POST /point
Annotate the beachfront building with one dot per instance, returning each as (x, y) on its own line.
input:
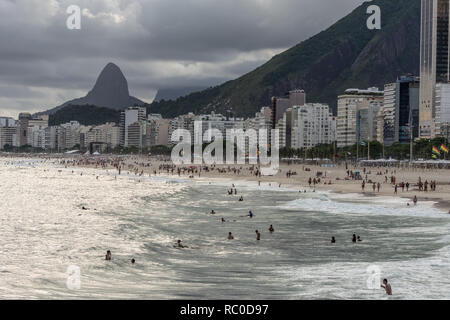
(185, 122)
(442, 104)
(36, 136)
(107, 134)
(218, 122)
(7, 136)
(51, 137)
(285, 127)
(68, 135)
(136, 135)
(8, 131)
(129, 117)
(157, 131)
(367, 122)
(352, 121)
(312, 124)
(401, 110)
(279, 106)
(434, 61)
(7, 122)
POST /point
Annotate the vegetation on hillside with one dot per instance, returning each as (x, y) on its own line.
(345, 55)
(85, 115)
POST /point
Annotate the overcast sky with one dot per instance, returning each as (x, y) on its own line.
(156, 43)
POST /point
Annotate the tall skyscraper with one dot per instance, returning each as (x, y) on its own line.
(434, 60)
(401, 110)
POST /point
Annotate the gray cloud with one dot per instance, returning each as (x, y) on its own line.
(156, 43)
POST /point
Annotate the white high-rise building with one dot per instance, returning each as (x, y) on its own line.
(312, 124)
(442, 104)
(157, 131)
(68, 135)
(108, 134)
(348, 115)
(6, 122)
(129, 117)
(8, 131)
(434, 61)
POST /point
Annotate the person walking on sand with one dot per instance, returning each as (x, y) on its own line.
(378, 186)
(395, 189)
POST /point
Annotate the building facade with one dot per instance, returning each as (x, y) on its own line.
(349, 124)
(401, 110)
(312, 124)
(434, 60)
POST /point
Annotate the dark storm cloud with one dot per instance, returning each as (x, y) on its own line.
(156, 43)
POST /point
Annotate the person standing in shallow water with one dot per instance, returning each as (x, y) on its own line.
(108, 255)
(354, 238)
(333, 240)
(258, 235)
(387, 287)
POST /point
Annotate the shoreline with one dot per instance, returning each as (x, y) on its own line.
(335, 178)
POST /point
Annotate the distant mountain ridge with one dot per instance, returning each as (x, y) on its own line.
(346, 55)
(110, 91)
(175, 93)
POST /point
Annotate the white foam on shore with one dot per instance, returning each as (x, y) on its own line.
(360, 205)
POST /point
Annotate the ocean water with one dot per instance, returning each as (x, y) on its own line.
(43, 231)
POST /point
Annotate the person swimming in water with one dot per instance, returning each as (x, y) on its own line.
(212, 212)
(333, 240)
(180, 245)
(359, 239)
(271, 229)
(258, 235)
(108, 255)
(230, 236)
(133, 261)
(223, 220)
(250, 214)
(241, 198)
(387, 287)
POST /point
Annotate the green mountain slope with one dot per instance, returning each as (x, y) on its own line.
(345, 55)
(84, 114)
